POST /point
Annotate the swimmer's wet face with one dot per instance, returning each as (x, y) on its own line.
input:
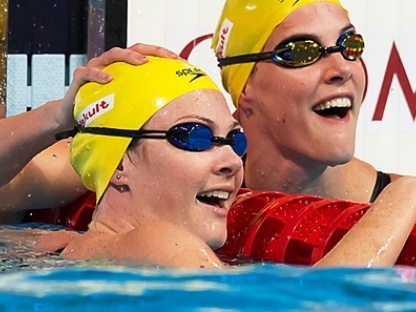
(233, 36)
(310, 113)
(134, 95)
(188, 176)
(190, 189)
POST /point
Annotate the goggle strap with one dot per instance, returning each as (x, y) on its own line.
(222, 141)
(151, 134)
(245, 58)
(333, 49)
(138, 134)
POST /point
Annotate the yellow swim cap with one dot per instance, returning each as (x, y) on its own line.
(134, 95)
(243, 28)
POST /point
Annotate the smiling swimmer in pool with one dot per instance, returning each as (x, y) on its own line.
(163, 153)
(161, 149)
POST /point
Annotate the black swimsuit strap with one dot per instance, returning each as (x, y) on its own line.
(383, 179)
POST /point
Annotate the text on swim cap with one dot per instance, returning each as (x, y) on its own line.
(188, 71)
(195, 72)
(95, 110)
(223, 37)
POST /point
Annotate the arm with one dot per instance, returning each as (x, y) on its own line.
(378, 238)
(25, 135)
(48, 180)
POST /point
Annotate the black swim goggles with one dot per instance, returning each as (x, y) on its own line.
(194, 137)
(303, 52)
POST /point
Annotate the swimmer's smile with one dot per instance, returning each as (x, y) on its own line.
(335, 108)
(216, 198)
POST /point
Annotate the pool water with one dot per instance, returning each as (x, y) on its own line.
(251, 288)
(35, 281)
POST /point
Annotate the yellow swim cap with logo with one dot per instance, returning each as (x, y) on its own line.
(244, 27)
(134, 95)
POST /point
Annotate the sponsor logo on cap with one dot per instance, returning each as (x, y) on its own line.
(95, 110)
(194, 72)
(223, 37)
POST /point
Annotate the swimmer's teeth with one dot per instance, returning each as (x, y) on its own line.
(340, 102)
(216, 194)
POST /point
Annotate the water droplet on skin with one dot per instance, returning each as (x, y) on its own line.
(29, 195)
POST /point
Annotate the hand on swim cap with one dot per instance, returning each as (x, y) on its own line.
(92, 71)
(81, 75)
(153, 50)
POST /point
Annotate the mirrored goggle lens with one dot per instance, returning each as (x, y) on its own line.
(198, 137)
(306, 52)
(352, 46)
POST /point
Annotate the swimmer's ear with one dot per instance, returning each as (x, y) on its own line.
(245, 104)
(247, 98)
(119, 178)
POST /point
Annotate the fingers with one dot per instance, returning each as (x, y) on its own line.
(116, 55)
(148, 49)
(134, 54)
(83, 74)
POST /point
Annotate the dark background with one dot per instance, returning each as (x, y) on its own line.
(61, 26)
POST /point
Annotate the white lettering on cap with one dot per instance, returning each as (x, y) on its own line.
(95, 110)
(223, 37)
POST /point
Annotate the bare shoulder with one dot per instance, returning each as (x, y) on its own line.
(395, 176)
(361, 165)
(159, 244)
(365, 168)
(359, 179)
(167, 245)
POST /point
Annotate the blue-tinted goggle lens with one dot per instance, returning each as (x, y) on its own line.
(198, 137)
(187, 136)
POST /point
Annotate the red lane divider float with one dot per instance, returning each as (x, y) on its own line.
(294, 228)
(262, 226)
